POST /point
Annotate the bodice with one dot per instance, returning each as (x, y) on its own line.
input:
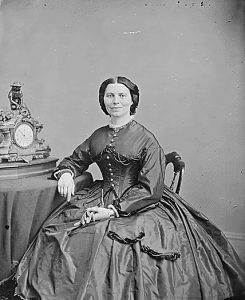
(131, 161)
(119, 172)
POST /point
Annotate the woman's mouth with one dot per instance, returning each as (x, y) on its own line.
(115, 108)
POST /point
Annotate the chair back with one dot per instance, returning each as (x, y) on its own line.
(179, 167)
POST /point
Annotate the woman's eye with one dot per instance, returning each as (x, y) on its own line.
(122, 95)
(109, 95)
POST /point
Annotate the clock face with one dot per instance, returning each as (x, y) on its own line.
(24, 135)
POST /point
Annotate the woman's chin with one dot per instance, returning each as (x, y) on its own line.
(117, 114)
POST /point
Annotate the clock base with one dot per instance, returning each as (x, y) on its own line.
(36, 167)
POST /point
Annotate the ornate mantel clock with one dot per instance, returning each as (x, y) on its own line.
(19, 131)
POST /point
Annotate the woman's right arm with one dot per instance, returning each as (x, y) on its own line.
(77, 162)
(71, 167)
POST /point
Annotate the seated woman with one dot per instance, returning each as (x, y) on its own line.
(127, 236)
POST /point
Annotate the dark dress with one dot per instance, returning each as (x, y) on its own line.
(158, 248)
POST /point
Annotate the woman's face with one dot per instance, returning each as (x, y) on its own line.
(117, 100)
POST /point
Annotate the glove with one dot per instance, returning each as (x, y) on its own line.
(95, 213)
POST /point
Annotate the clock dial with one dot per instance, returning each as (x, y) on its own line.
(24, 135)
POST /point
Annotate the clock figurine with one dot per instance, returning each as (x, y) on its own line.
(15, 95)
(19, 131)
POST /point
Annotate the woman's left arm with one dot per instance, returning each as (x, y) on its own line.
(150, 185)
(147, 192)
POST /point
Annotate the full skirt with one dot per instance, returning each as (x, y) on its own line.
(167, 251)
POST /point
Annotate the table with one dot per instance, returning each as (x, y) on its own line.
(24, 205)
(21, 169)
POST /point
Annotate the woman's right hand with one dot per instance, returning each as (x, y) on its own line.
(66, 186)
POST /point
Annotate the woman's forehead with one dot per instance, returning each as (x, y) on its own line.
(116, 88)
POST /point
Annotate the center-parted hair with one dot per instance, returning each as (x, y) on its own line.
(134, 92)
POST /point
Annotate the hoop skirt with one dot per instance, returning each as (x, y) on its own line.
(159, 247)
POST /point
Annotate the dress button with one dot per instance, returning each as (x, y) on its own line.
(112, 141)
(110, 169)
(112, 174)
(113, 184)
(108, 157)
(109, 164)
(111, 179)
(110, 144)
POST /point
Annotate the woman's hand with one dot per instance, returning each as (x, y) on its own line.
(95, 214)
(66, 186)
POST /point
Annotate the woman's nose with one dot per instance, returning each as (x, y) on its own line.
(116, 99)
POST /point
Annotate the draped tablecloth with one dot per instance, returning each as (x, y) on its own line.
(24, 205)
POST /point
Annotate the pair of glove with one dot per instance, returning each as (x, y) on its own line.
(95, 213)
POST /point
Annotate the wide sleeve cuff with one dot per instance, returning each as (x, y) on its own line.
(112, 207)
(59, 173)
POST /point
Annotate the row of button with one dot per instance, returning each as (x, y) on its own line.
(112, 141)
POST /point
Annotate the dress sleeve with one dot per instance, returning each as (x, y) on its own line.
(150, 185)
(77, 162)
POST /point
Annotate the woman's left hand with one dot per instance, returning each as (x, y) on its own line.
(95, 214)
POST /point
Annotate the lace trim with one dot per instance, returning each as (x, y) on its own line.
(119, 127)
(114, 236)
(124, 160)
(171, 255)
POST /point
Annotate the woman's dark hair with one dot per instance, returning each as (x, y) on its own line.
(134, 92)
